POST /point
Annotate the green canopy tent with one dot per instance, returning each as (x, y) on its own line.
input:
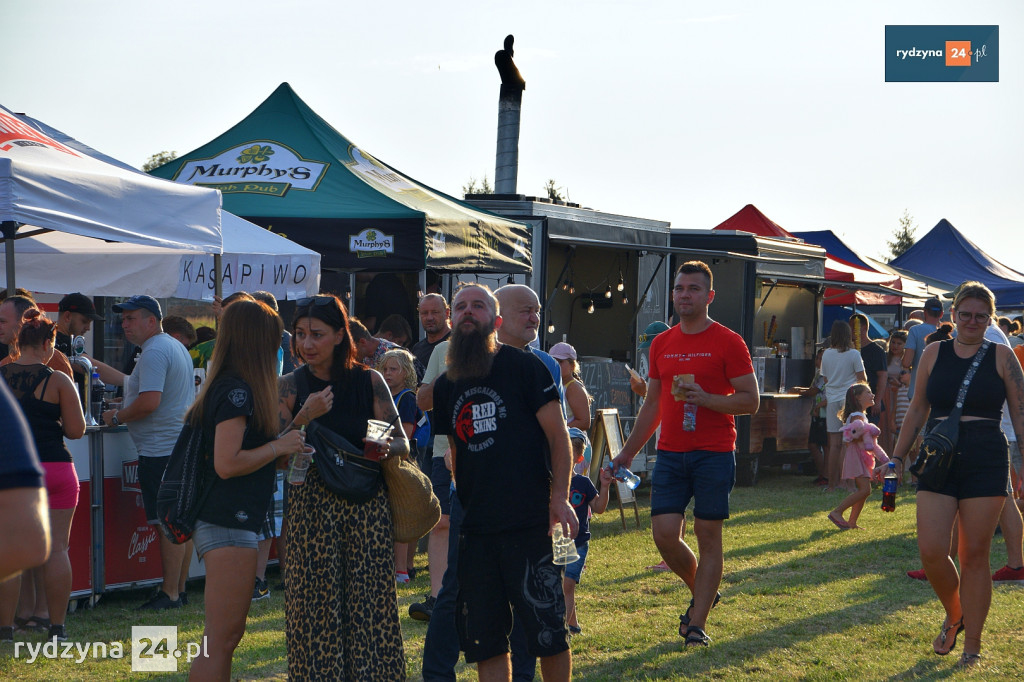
(285, 168)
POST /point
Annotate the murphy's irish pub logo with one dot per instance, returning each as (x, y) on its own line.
(255, 167)
(371, 243)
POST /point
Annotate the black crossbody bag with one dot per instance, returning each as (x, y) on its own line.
(341, 465)
(938, 446)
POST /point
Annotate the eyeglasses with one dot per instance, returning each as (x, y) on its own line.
(980, 318)
(314, 300)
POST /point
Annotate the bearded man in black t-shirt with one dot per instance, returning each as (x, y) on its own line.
(500, 410)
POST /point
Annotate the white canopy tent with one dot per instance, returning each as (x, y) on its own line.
(254, 259)
(48, 185)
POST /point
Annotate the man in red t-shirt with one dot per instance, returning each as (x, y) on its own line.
(700, 376)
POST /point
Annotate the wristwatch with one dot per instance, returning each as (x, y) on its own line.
(113, 419)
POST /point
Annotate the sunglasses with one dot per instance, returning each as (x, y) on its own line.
(315, 300)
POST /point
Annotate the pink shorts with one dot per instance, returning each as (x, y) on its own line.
(61, 484)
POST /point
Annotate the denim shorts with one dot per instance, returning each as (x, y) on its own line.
(703, 476)
(211, 536)
(981, 465)
(441, 480)
(575, 569)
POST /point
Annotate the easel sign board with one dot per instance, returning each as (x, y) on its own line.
(608, 438)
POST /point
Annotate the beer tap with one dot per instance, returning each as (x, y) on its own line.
(86, 367)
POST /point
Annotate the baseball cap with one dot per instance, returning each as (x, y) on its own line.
(578, 434)
(653, 329)
(79, 303)
(562, 351)
(140, 302)
(933, 305)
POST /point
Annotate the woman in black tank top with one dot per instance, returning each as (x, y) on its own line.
(976, 487)
(341, 610)
(50, 402)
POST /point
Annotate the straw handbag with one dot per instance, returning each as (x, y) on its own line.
(415, 509)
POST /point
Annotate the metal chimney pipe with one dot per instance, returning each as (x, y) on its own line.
(510, 101)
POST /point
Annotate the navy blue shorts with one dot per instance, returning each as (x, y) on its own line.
(505, 571)
(705, 477)
(441, 480)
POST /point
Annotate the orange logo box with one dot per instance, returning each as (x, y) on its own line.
(958, 53)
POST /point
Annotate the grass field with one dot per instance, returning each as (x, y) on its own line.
(801, 600)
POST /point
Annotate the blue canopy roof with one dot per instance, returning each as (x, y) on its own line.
(946, 254)
(834, 246)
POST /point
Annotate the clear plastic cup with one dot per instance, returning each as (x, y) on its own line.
(298, 465)
(563, 547)
(377, 433)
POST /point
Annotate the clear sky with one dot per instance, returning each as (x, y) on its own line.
(665, 109)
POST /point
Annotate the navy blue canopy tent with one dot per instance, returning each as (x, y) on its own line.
(946, 254)
(835, 247)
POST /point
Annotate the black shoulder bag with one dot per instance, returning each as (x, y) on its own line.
(186, 484)
(345, 471)
(938, 445)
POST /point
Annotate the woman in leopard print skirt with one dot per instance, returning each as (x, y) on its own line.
(341, 610)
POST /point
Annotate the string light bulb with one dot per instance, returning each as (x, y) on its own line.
(621, 285)
(624, 299)
(551, 327)
(572, 289)
(590, 307)
(565, 285)
(608, 292)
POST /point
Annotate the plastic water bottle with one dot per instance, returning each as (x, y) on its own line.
(626, 476)
(889, 489)
(689, 417)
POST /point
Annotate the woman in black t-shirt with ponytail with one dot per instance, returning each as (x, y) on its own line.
(237, 409)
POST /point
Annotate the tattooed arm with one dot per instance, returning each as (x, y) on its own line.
(1013, 380)
(316, 405)
(384, 409)
(285, 401)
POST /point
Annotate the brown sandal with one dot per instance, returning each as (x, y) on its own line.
(959, 625)
(968, 660)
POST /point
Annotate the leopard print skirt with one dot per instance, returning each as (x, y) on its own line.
(341, 609)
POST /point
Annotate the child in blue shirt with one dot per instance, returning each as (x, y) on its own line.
(584, 498)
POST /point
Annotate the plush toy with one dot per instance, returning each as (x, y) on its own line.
(861, 437)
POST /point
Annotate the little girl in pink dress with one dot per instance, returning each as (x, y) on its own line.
(864, 456)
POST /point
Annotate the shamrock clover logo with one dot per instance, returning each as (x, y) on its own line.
(372, 235)
(255, 154)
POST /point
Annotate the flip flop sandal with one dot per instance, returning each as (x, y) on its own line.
(840, 524)
(684, 619)
(968, 660)
(33, 624)
(959, 625)
(696, 636)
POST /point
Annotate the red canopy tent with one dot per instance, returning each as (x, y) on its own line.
(750, 219)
